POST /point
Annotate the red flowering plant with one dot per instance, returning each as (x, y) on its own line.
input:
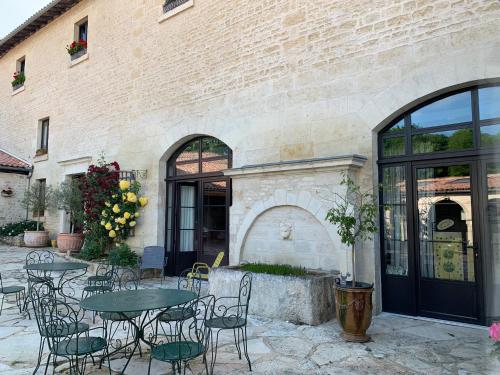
(494, 332)
(76, 46)
(98, 185)
(18, 79)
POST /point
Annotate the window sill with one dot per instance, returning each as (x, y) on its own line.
(40, 158)
(175, 11)
(77, 61)
(17, 91)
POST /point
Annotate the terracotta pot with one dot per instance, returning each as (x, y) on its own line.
(69, 242)
(354, 310)
(33, 238)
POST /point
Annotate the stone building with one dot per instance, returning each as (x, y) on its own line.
(14, 179)
(245, 114)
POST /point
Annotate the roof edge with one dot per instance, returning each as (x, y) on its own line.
(17, 157)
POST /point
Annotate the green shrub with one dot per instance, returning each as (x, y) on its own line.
(91, 250)
(274, 269)
(123, 256)
(14, 229)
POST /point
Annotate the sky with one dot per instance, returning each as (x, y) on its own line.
(14, 12)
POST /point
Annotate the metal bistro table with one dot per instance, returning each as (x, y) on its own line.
(64, 282)
(140, 300)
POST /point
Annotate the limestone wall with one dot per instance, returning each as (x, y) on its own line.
(276, 80)
(10, 207)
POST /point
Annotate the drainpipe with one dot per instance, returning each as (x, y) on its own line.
(30, 174)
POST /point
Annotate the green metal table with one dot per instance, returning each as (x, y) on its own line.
(141, 300)
(64, 285)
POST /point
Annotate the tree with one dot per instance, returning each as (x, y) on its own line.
(68, 197)
(354, 213)
(37, 198)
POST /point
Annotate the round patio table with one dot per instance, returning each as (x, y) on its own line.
(67, 268)
(140, 300)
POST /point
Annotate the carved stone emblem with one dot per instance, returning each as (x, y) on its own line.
(286, 231)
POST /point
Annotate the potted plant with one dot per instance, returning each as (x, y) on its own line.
(36, 198)
(77, 49)
(18, 81)
(68, 197)
(354, 213)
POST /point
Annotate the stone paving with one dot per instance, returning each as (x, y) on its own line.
(399, 345)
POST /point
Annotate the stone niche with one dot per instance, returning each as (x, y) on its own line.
(289, 235)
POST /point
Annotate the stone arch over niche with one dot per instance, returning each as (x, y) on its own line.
(304, 206)
(289, 235)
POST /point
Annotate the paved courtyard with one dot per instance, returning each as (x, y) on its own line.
(399, 345)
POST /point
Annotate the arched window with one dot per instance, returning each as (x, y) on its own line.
(198, 200)
(462, 121)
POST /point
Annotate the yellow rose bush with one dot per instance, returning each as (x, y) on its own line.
(121, 210)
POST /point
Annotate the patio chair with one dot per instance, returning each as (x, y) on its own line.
(179, 313)
(102, 276)
(17, 290)
(153, 258)
(190, 340)
(230, 313)
(200, 270)
(37, 257)
(123, 279)
(60, 324)
(38, 292)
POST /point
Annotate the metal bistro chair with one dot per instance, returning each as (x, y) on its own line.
(60, 322)
(17, 290)
(123, 279)
(38, 292)
(153, 258)
(230, 313)
(190, 340)
(179, 313)
(37, 257)
(102, 275)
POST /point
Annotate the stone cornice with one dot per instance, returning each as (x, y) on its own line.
(81, 160)
(333, 162)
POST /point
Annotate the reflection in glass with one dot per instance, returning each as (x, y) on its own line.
(493, 251)
(214, 217)
(489, 102)
(451, 140)
(450, 110)
(445, 223)
(212, 147)
(394, 219)
(490, 136)
(393, 146)
(187, 168)
(398, 126)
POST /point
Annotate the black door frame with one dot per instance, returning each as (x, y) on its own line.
(477, 241)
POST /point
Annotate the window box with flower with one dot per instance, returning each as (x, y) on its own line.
(18, 81)
(77, 49)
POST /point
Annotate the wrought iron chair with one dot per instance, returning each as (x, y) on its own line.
(102, 275)
(38, 292)
(190, 340)
(123, 279)
(60, 324)
(153, 258)
(230, 313)
(17, 290)
(200, 270)
(37, 257)
(179, 313)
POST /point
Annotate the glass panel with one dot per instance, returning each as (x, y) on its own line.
(187, 218)
(451, 140)
(450, 110)
(170, 218)
(212, 147)
(190, 152)
(394, 221)
(400, 125)
(493, 255)
(490, 136)
(489, 102)
(187, 168)
(82, 31)
(217, 165)
(214, 193)
(445, 223)
(214, 216)
(393, 146)
(214, 242)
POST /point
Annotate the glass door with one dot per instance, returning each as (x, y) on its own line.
(445, 214)
(187, 222)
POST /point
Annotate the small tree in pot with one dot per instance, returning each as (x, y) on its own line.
(36, 198)
(68, 197)
(354, 212)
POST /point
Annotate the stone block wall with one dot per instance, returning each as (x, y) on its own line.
(10, 207)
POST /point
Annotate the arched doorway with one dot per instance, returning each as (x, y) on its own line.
(198, 200)
(438, 165)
